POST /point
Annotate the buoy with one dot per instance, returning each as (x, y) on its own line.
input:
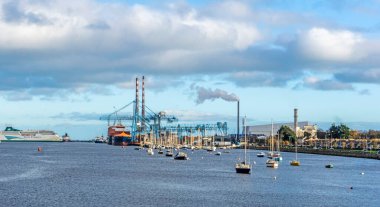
(39, 149)
(362, 173)
(352, 188)
(275, 177)
(254, 162)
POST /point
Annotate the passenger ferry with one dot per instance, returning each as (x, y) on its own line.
(11, 134)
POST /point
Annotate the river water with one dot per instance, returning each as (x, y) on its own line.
(89, 174)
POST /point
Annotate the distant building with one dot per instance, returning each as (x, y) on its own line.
(265, 130)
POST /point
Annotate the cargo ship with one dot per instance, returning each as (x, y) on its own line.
(11, 134)
(118, 135)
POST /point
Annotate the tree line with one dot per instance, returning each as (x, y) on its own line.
(340, 131)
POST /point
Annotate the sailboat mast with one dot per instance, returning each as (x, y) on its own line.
(278, 142)
(245, 141)
(295, 127)
(272, 143)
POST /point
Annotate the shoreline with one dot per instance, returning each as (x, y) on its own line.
(335, 152)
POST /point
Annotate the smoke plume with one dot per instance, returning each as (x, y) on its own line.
(204, 94)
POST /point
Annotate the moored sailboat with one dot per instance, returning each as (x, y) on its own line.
(271, 162)
(277, 155)
(244, 167)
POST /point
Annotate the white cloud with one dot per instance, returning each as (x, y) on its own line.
(324, 84)
(126, 26)
(331, 45)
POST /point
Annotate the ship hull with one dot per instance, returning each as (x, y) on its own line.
(121, 141)
(243, 170)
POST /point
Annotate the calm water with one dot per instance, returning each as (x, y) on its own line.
(87, 174)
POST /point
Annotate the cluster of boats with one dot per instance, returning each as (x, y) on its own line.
(169, 152)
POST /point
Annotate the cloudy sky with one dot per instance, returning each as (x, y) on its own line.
(63, 63)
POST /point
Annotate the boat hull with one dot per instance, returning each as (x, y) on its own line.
(243, 170)
(181, 158)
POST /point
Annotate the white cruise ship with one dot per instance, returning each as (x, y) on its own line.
(11, 134)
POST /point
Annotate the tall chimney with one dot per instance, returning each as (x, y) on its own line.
(143, 104)
(295, 120)
(137, 99)
(238, 121)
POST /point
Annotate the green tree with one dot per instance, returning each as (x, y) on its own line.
(340, 131)
(287, 134)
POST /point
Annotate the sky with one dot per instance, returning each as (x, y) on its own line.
(65, 63)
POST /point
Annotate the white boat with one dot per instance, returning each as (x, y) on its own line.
(272, 163)
(11, 134)
(150, 151)
(169, 152)
(261, 154)
(244, 167)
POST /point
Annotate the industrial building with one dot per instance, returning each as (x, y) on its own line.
(265, 130)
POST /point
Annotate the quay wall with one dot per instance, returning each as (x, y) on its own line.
(335, 152)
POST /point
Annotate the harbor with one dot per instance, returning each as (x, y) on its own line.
(114, 103)
(84, 174)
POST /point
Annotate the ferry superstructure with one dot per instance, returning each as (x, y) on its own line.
(11, 134)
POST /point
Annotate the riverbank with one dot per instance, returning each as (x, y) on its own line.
(335, 152)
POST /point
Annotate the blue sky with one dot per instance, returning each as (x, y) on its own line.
(64, 63)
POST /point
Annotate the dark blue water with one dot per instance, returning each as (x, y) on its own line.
(87, 174)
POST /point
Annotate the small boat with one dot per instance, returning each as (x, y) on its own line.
(261, 154)
(150, 151)
(181, 156)
(277, 156)
(244, 167)
(272, 163)
(211, 149)
(329, 166)
(169, 154)
(270, 155)
(137, 148)
(218, 153)
(160, 152)
(295, 163)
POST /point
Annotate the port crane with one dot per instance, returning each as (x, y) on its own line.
(182, 130)
(141, 125)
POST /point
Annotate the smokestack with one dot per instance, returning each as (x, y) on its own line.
(137, 98)
(295, 120)
(143, 103)
(238, 121)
